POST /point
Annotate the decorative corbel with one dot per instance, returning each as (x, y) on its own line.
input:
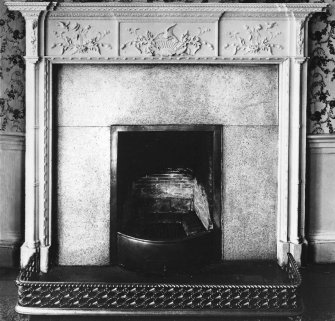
(301, 18)
(31, 33)
(300, 36)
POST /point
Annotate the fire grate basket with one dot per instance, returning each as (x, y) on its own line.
(130, 298)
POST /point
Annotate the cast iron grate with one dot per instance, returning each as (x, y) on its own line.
(163, 231)
(165, 226)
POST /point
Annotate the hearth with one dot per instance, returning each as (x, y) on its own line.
(124, 244)
(167, 196)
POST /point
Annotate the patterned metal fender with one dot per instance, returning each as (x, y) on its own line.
(281, 299)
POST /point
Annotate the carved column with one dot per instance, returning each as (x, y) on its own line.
(297, 160)
(31, 12)
(294, 159)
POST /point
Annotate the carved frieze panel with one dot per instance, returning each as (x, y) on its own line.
(71, 37)
(262, 37)
(167, 39)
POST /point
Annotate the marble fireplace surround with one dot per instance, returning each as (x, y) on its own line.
(218, 33)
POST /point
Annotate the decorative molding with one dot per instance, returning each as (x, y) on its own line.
(46, 154)
(16, 134)
(322, 252)
(299, 60)
(321, 237)
(10, 236)
(300, 37)
(11, 243)
(185, 6)
(194, 11)
(233, 15)
(30, 10)
(258, 39)
(321, 144)
(322, 247)
(168, 59)
(9, 253)
(12, 141)
(321, 138)
(167, 43)
(33, 37)
(24, 7)
(75, 38)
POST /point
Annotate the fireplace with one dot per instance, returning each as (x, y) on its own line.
(167, 192)
(211, 98)
(239, 102)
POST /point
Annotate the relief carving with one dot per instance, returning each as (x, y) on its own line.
(259, 38)
(75, 38)
(166, 43)
(300, 37)
(33, 38)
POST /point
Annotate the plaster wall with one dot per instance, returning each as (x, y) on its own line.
(321, 225)
(89, 99)
(11, 197)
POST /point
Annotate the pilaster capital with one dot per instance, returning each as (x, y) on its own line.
(31, 12)
(301, 17)
(31, 60)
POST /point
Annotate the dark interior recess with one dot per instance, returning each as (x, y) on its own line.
(144, 153)
(162, 178)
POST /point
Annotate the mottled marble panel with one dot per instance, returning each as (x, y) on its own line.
(167, 94)
(250, 156)
(83, 196)
(242, 98)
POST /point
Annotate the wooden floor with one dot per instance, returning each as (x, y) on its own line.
(318, 295)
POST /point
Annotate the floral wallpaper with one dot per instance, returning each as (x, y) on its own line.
(11, 70)
(322, 72)
(321, 109)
